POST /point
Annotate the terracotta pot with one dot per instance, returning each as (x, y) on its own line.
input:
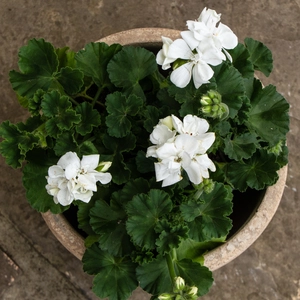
(259, 218)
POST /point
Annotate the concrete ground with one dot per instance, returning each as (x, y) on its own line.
(33, 264)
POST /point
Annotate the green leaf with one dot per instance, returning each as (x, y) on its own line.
(260, 56)
(83, 215)
(119, 171)
(59, 109)
(241, 146)
(154, 277)
(132, 188)
(208, 217)
(170, 237)
(144, 212)
(189, 97)
(151, 115)
(115, 277)
(129, 66)
(268, 116)
(65, 143)
(120, 108)
(257, 172)
(193, 250)
(93, 60)
(89, 118)
(87, 148)
(195, 275)
(38, 63)
(70, 79)
(144, 164)
(230, 84)
(18, 140)
(109, 222)
(34, 181)
(66, 57)
(241, 60)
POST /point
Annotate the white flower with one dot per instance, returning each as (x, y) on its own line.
(161, 133)
(75, 179)
(185, 150)
(163, 57)
(197, 127)
(205, 33)
(196, 65)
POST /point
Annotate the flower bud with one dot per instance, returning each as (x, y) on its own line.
(179, 284)
(167, 121)
(166, 296)
(103, 166)
(205, 100)
(192, 291)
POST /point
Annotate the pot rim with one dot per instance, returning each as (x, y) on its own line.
(222, 254)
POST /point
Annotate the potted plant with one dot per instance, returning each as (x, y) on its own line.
(150, 148)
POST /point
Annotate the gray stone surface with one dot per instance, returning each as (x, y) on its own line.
(33, 265)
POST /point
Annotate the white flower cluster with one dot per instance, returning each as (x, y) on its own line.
(202, 45)
(181, 145)
(75, 179)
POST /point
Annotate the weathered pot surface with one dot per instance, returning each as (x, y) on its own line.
(238, 242)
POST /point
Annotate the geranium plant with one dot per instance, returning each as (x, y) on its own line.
(148, 148)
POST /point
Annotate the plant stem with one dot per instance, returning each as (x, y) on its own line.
(100, 89)
(73, 100)
(170, 257)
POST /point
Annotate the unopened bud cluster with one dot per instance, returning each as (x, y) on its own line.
(180, 292)
(212, 105)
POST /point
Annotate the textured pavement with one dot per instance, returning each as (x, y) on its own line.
(33, 264)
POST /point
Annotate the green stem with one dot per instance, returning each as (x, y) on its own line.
(100, 89)
(73, 100)
(170, 257)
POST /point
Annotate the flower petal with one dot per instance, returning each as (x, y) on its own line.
(161, 134)
(194, 125)
(90, 162)
(67, 159)
(182, 75)
(190, 39)
(187, 143)
(167, 151)
(202, 72)
(72, 170)
(193, 172)
(209, 17)
(228, 39)
(104, 178)
(56, 171)
(180, 49)
(64, 197)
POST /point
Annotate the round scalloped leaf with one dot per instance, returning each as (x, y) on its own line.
(268, 115)
(257, 172)
(241, 146)
(207, 218)
(109, 222)
(230, 84)
(93, 60)
(119, 109)
(38, 64)
(260, 56)
(34, 181)
(129, 66)
(144, 212)
(115, 276)
(89, 118)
